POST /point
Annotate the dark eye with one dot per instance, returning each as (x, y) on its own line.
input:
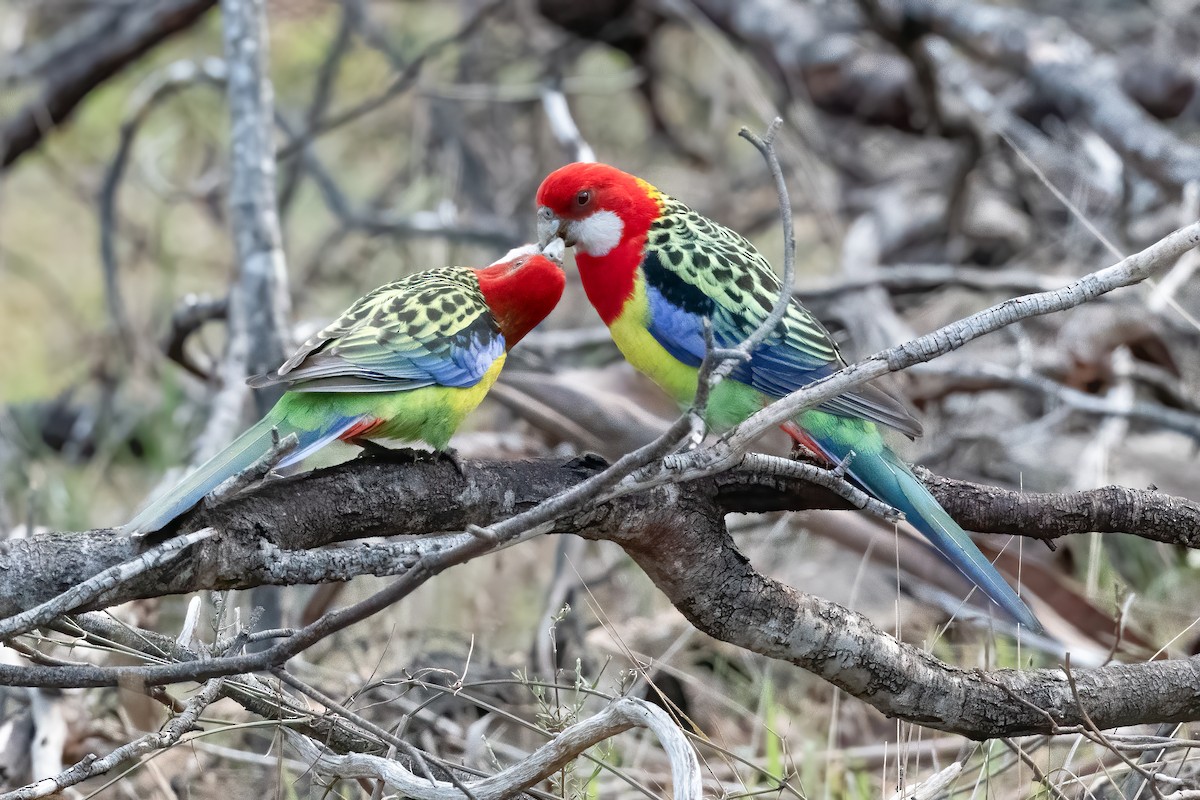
(583, 198)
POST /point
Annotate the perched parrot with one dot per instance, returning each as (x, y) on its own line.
(408, 361)
(654, 269)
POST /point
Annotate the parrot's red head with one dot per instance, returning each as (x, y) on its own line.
(521, 289)
(605, 214)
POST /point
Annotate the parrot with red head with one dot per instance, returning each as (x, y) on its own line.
(407, 361)
(656, 272)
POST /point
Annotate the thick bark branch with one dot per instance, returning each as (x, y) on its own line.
(271, 535)
(690, 557)
(676, 534)
(1048, 515)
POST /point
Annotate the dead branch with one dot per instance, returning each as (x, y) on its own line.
(88, 591)
(1156, 414)
(259, 302)
(153, 91)
(674, 532)
(81, 69)
(92, 766)
(1127, 272)
(620, 715)
(1108, 509)
(1065, 68)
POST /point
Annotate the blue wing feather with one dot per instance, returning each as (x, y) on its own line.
(680, 296)
(774, 368)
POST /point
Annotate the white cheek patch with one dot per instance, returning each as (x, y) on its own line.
(598, 233)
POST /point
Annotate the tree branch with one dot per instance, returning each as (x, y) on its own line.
(1127, 272)
(675, 533)
(1066, 69)
(91, 765)
(620, 715)
(259, 302)
(84, 68)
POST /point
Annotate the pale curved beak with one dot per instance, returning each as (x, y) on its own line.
(555, 250)
(549, 226)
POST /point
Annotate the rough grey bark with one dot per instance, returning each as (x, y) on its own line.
(677, 535)
(259, 302)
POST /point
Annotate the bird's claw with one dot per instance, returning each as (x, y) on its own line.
(586, 462)
(408, 455)
(692, 441)
(451, 455)
(801, 453)
(396, 455)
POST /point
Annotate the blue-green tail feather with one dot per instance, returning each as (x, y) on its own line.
(882, 474)
(241, 453)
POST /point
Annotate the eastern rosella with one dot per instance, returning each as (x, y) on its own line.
(408, 361)
(655, 270)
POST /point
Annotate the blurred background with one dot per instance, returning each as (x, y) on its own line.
(940, 158)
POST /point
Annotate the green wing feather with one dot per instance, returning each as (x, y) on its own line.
(697, 268)
(431, 328)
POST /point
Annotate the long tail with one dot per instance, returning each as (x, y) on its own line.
(241, 453)
(882, 474)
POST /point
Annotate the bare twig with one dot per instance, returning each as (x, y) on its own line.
(1173, 281)
(160, 86)
(719, 362)
(618, 716)
(280, 447)
(682, 467)
(418, 757)
(917, 277)
(92, 765)
(1157, 414)
(189, 315)
(766, 146)
(563, 126)
(1038, 775)
(1127, 272)
(477, 229)
(399, 85)
(293, 170)
(103, 581)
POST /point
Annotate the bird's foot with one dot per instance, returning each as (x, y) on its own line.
(408, 455)
(396, 455)
(803, 447)
(451, 455)
(801, 453)
(586, 462)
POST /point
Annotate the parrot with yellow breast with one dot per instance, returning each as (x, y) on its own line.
(408, 361)
(656, 271)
